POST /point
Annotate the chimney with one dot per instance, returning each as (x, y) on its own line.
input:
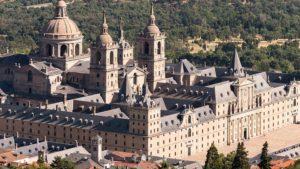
(17, 134)
(29, 103)
(4, 136)
(65, 98)
(94, 110)
(76, 143)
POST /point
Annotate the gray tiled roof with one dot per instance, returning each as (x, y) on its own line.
(80, 67)
(75, 119)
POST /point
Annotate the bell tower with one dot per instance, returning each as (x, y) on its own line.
(151, 48)
(104, 65)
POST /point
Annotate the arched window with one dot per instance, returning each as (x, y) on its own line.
(189, 133)
(146, 48)
(111, 57)
(295, 102)
(134, 78)
(63, 50)
(295, 90)
(260, 101)
(189, 119)
(98, 58)
(29, 76)
(77, 49)
(49, 50)
(159, 48)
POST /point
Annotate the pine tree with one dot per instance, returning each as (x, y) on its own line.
(265, 159)
(241, 160)
(213, 160)
(228, 160)
(60, 163)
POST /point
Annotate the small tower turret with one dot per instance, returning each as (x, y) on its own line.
(125, 49)
(104, 65)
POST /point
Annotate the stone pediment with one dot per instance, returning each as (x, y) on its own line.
(243, 81)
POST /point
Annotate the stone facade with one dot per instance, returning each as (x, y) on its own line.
(170, 110)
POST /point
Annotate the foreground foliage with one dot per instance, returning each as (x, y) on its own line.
(208, 19)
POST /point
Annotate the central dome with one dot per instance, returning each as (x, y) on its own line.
(61, 27)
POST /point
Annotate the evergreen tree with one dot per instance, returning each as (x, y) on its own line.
(213, 160)
(60, 163)
(241, 160)
(265, 159)
(228, 160)
(165, 165)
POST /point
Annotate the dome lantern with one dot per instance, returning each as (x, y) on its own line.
(61, 9)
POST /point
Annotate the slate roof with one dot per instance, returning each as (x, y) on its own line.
(82, 67)
(45, 68)
(12, 59)
(63, 118)
(172, 120)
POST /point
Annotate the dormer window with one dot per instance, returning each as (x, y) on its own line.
(189, 119)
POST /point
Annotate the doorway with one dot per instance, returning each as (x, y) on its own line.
(245, 134)
(189, 151)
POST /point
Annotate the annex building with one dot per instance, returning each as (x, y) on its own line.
(136, 102)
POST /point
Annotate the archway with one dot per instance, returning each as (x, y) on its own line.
(159, 48)
(49, 50)
(146, 48)
(245, 134)
(63, 50)
(77, 48)
(98, 58)
(111, 58)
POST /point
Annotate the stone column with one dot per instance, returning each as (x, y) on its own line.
(58, 50)
(238, 130)
(80, 49)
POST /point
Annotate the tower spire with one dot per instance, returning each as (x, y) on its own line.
(121, 31)
(61, 9)
(104, 25)
(152, 16)
(236, 66)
